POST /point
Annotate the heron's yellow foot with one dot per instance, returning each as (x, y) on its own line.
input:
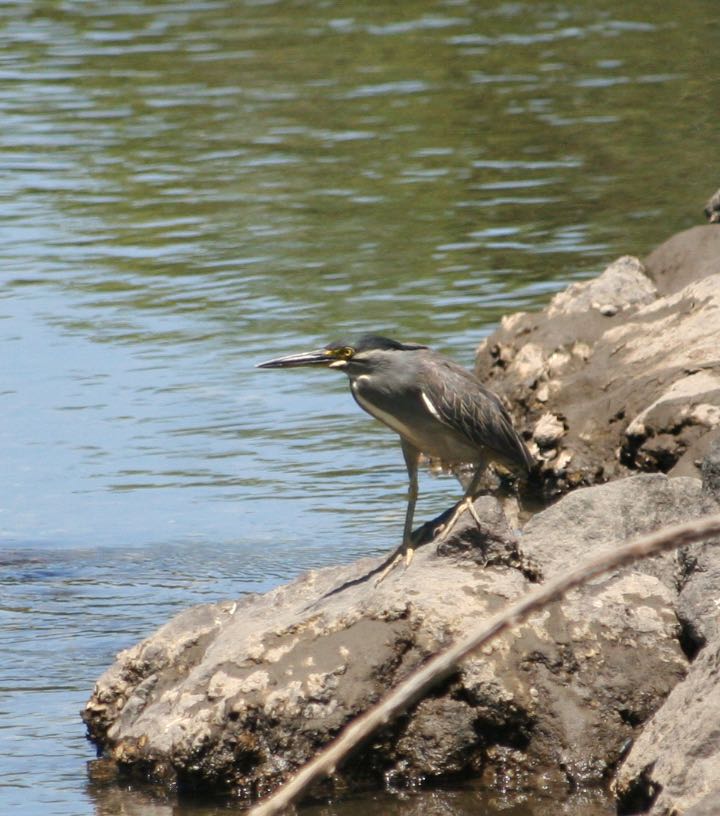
(404, 552)
(473, 511)
(465, 505)
(389, 568)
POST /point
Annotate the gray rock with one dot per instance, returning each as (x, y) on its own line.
(685, 258)
(676, 759)
(707, 806)
(548, 431)
(712, 208)
(606, 516)
(698, 605)
(711, 470)
(622, 285)
(236, 695)
(493, 543)
(674, 766)
(438, 739)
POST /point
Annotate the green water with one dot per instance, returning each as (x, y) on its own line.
(188, 188)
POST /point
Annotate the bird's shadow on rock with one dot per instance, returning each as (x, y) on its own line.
(425, 534)
(490, 542)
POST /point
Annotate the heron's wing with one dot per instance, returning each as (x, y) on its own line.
(464, 404)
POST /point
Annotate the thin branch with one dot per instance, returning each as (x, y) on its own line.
(445, 662)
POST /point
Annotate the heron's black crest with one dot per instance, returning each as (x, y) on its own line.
(371, 342)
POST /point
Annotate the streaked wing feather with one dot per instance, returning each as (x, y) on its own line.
(465, 405)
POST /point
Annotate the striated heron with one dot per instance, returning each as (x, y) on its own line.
(437, 407)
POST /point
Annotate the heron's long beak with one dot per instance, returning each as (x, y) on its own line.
(306, 358)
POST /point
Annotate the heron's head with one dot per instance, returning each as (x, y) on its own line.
(353, 357)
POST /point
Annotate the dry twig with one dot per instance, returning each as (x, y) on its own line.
(445, 662)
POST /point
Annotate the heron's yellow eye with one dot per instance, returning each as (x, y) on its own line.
(346, 353)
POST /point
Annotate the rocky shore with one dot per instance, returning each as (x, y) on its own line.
(617, 384)
(621, 373)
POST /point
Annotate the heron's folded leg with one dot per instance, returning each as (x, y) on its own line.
(467, 503)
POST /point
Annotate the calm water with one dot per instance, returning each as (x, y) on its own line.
(188, 188)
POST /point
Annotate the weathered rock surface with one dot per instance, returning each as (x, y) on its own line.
(621, 373)
(712, 208)
(606, 515)
(674, 766)
(236, 695)
(675, 763)
(707, 806)
(698, 606)
(684, 258)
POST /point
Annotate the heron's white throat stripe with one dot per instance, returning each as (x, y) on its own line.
(428, 404)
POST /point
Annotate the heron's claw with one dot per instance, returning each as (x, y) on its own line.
(443, 531)
(389, 568)
(404, 553)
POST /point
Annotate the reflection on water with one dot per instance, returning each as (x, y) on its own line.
(451, 800)
(190, 187)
